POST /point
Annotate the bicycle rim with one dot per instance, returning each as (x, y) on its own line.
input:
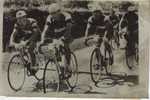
(72, 81)
(40, 65)
(108, 62)
(51, 80)
(95, 61)
(16, 73)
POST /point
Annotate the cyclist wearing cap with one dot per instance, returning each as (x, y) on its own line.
(58, 26)
(101, 26)
(130, 21)
(27, 30)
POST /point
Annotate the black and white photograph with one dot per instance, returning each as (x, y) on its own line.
(73, 48)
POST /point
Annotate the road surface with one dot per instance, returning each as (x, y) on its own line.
(123, 87)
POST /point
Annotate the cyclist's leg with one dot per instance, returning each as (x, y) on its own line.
(66, 56)
(117, 37)
(33, 67)
(109, 49)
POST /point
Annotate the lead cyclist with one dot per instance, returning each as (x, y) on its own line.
(26, 32)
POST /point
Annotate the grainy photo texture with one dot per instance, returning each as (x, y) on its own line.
(71, 48)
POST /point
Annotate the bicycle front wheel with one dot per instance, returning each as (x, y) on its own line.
(51, 79)
(72, 81)
(96, 65)
(16, 73)
(109, 61)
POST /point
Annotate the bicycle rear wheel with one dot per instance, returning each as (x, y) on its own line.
(51, 79)
(96, 65)
(72, 81)
(16, 73)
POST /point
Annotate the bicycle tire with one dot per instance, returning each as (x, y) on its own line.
(9, 75)
(74, 72)
(108, 66)
(57, 85)
(95, 51)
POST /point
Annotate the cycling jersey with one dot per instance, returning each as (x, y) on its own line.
(96, 25)
(57, 24)
(132, 21)
(24, 32)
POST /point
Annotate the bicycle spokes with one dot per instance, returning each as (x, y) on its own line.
(16, 73)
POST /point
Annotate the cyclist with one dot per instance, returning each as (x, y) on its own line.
(130, 21)
(100, 25)
(26, 32)
(58, 26)
(115, 22)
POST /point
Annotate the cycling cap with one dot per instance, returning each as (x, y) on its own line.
(53, 8)
(96, 8)
(131, 8)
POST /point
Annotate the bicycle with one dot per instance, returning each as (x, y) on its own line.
(131, 52)
(19, 66)
(51, 76)
(99, 62)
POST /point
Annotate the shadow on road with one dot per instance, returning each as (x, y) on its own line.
(105, 82)
(114, 79)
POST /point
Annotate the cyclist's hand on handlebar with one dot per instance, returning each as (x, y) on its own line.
(11, 45)
(18, 46)
(105, 39)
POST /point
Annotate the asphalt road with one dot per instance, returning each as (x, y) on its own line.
(124, 86)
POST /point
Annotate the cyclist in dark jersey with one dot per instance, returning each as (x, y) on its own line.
(130, 20)
(58, 26)
(27, 30)
(100, 25)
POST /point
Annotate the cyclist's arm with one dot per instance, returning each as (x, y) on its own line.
(68, 20)
(122, 22)
(87, 30)
(90, 24)
(108, 27)
(47, 25)
(43, 33)
(13, 37)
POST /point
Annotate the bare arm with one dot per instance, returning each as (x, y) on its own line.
(44, 32)
(121, 22)
(87, 30)
(12, 37)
